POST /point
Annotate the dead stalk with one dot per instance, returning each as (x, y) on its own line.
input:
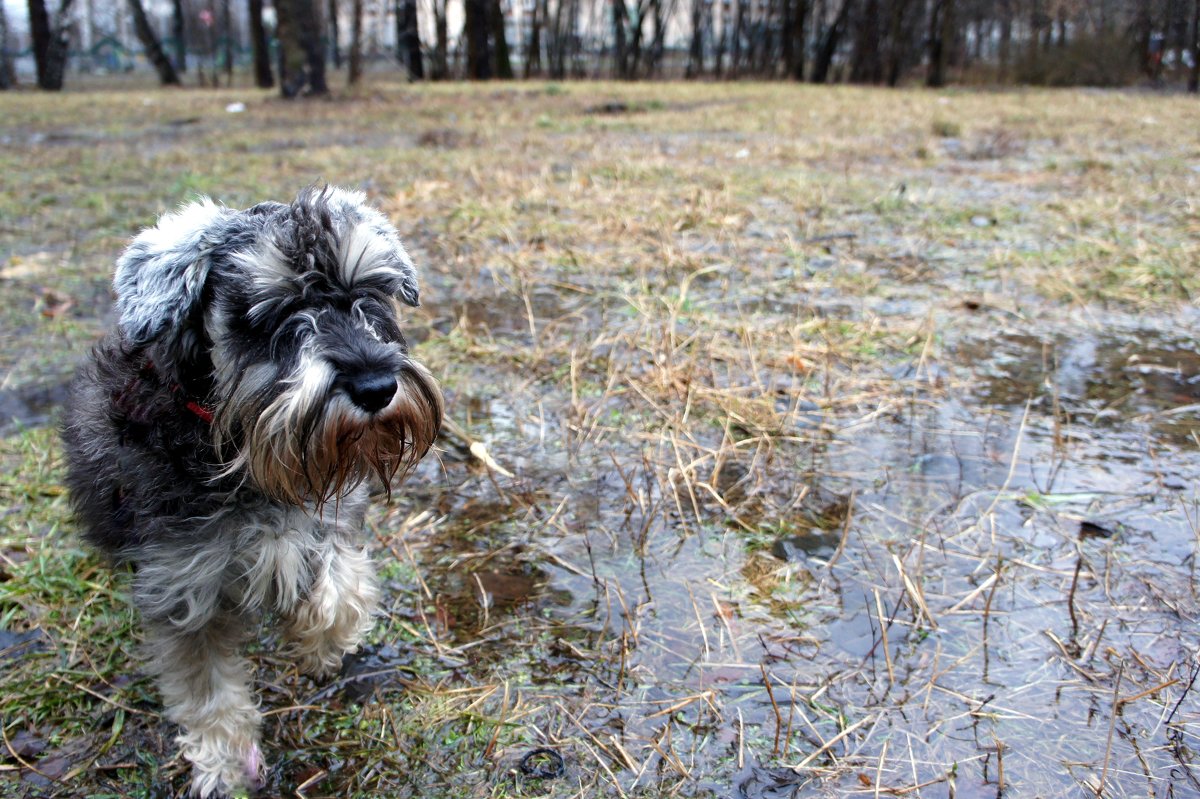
(1112, 725)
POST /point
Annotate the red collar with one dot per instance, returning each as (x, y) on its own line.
(202, 413)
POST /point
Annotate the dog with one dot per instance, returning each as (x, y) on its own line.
(224, 437)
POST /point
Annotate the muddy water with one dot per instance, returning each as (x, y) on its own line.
(981, 579)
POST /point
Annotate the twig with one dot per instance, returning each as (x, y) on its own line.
(1126, 700)
(845, 530)
(1112, 725)
(775, 707)
(831, 742)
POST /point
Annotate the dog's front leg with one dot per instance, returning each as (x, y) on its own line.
(336, 614)
(205, 685)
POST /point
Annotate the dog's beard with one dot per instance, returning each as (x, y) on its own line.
(312, 445)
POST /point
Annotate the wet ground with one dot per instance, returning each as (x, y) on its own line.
(810, 491)
(977, 578)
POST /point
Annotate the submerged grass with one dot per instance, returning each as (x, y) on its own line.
(852, 436)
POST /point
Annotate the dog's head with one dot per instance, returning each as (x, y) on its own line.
(287, 317)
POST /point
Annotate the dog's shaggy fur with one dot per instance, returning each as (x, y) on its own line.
(221, 437)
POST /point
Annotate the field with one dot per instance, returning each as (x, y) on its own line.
(840, 442)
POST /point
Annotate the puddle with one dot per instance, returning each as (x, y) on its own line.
(980, 566)
(30, 405)
(1106, 380)
(14, 644)
(506, 315)
(366, 671)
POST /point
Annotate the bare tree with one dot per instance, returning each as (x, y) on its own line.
(50, 39)
(535, 11)
(354, 74)
(828, 43)
(620, 23)
(177, 34)
(408, 39)
(1194, 46)
(501, 62)
(865, 63)
(795, 37)
(167, 75)
(441, 47)
(557, 54)
(301, 56)
(941, 39)
(1006, 31)
(335, 38)
(735, 48)
(901, 46)
(8, 76)
(475, 31)
(263, 78)
(695, 63)
(227, 39)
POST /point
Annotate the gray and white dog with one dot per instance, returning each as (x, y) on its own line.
(222, 437)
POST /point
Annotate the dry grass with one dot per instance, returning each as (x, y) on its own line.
(842, 441)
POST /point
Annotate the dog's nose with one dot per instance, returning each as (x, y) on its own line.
(371, 391)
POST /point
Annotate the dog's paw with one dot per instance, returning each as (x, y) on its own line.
(335, 617)
(321, 665)
(221, 769)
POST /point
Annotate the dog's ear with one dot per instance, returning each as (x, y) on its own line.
(371, 242)
(408, 290)
(160, 277)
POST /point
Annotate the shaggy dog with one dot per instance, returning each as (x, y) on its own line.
(221, 437)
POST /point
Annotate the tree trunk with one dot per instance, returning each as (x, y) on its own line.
(475, 31)
(179, 36)
(658, 43)
(829, 43)
(695, 64)
(575, 39)
(533, 46)
(797, 38)
(735, 46)
(441, 46)
(1035, 27)
(941, 27)
(335, 38)
(408, 39)
(263, 78)
(557, 52)
(1194, 35)
(620, 42)
(154, 51)
(39, 35)
(301, 56)
(1005, 54)
(864, 60)
(722, 41)
(55, 55)
(50, 38)
(354, 74)
(636, 40)
(899, 40)
(8, 76)
(502, 62)
(227, 48)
